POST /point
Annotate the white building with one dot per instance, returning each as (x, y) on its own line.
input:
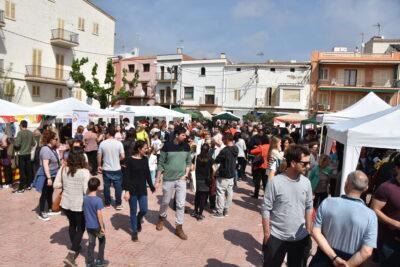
(281, 87)
(40, 40)
(202, 84)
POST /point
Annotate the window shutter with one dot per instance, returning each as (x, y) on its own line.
(8, 8)
(13, 10)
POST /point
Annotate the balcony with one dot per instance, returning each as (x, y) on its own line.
(357, 58)
(166, 77)
(368, 85)
(36, 73)
(2, 21)
(208, 101)
(63, 38)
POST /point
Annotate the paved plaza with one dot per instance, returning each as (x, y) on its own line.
(231, 241)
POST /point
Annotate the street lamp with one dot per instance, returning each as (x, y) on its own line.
(70, 85)
(142, 94)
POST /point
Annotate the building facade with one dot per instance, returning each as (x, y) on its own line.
(339, 79)
(42, 38)
(280, 87)
(202, 84)
(144, 93)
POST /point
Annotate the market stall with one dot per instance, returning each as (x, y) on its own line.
(227, 116)
(379, 130)
(293, 118)
(152, 111)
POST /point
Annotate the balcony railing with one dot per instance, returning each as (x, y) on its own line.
(365, 83)
(64, 38)
(167, 77)
(37, 73)
(208, 101)
(2, 21)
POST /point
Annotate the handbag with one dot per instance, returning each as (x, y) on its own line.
(57, 200)
(193, 177)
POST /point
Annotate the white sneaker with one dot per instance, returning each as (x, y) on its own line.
(43, 216)
(53, 213)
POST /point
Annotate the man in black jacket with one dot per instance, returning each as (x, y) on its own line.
(225, 178)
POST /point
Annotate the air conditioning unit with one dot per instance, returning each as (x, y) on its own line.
(397, 83)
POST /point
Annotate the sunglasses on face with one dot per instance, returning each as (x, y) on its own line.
(304, 163)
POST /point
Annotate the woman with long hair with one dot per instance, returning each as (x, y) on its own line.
(134, 184)
(275, 157)
(49, 165)
(73, 180)
(204, 172)
(91, 146)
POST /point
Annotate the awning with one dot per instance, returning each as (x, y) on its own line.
(357, 89)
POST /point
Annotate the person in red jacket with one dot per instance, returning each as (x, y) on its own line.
(260, 164)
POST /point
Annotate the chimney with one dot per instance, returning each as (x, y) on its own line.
(179, 50)
(222, 56)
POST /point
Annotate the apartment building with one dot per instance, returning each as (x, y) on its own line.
(39, 41)
(281, 87)
(144, 93)
(202, 84)
(340, 78)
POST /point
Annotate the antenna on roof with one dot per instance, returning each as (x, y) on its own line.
(378, 26)
(362, 42)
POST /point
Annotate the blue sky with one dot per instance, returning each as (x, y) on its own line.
(280, 29)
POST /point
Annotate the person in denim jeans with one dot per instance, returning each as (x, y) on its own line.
(111, 151)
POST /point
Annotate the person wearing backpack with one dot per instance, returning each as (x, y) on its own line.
(260, 164)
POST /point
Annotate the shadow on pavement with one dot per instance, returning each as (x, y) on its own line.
(248, 203)
(152, 217)
(62, 238)
(121, 221)
(248, 242)
(218, 263)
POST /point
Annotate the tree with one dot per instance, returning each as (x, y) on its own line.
(268, 117)
(104, 94)
(249, 117)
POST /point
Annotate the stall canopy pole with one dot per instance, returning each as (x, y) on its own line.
(320, 139)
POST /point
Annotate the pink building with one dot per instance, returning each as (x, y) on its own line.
(144, 92)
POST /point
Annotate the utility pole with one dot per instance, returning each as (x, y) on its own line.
(378, 26)
(255, 95)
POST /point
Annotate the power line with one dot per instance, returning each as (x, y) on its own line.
(48, 43)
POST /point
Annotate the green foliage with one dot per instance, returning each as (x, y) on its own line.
(103, 94)
(249, 117)
(268, 117)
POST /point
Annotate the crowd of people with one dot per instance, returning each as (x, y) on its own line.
(299, 188)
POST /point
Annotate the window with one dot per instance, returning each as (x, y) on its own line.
(268, 96)
(291, 95)
(189, 93)
(323, 98)
(237, 94)
(350, 77)
(10, 10)
(386, 97)
(36, 62)
(382, 77)
(78, 94)
(323, 74)
(144, 88)
(59, 93)
(95, 28)
(146, 67)
(81, 24)
(162, 96)
(35, 90)
(131, 67)
(292, 69)
(210, 95)
(238, 69)
(272, 69)
(203, 71)
(60, 67)
(344, 100)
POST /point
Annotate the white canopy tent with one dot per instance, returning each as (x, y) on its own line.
(369, 104)
(380, 130)
(64, 108)
(152, 111)
(11, 109)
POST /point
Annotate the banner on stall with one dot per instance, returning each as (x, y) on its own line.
(79, 118)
